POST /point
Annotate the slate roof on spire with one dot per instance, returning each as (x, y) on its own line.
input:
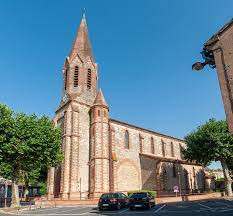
(100, 100)
(82, 45)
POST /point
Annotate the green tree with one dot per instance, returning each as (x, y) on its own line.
(28, 145)
(211, 142)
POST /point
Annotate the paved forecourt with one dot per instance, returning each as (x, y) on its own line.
(216, 207)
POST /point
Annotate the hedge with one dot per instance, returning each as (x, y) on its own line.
(152, 193)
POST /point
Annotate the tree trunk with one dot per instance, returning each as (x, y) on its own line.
(26, 190)
(15, 193)
(227, 178)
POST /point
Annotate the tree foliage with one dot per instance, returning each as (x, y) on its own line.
(211, 142)
(28, 145)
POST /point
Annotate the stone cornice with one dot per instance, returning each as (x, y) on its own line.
(168, 159)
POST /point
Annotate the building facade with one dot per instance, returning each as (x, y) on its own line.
(103, 154)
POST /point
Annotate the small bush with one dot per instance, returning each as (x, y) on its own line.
(43, 189)
(152, 193)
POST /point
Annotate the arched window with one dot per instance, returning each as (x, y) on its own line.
(98, 112)
(89, 78)
(126, 139)
(152, 145)
(181, 151)
(164, 180)
(66, 79)
(76, 70)
(163, 148)
(186, 181)
(172, 149)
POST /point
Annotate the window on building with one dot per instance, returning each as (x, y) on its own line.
(76, 71)
(181, 151)
(164, 180)
(89, 78)
(105, 115)
(126, 139)
(98, 112)
(174, 170)
(152, 145)
(140, 143)
(186, 181)
(66, 79)
(163, 148)
(172, 149)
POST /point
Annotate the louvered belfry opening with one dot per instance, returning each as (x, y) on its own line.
(66, 79)
(89, 79)
(76, 70)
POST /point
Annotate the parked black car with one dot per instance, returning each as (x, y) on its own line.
(112, 201)
(141, 200)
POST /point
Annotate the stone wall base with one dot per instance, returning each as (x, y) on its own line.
(96, 195)
(188, 198)
(74, 196)
(60, 202)
(65, 196)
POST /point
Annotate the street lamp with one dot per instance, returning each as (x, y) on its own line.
(208, 56)
(198, 65)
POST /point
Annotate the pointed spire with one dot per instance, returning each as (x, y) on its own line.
(82, 45)
(100, 100)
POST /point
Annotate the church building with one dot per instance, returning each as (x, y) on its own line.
(102, 154)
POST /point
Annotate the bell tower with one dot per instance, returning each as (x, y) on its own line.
(80, 72)
(80, 75)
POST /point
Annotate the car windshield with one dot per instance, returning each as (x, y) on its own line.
(139, 195)
(108, 196)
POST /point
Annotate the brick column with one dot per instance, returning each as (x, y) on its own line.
(99, 154)
(51, 183)
(66, 162)
(74, 161)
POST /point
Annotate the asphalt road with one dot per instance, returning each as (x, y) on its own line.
(201, 208)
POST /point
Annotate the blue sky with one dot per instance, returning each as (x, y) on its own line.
(144, 48)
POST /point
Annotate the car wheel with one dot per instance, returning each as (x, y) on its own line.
(101, 209)
(118, 206)
(131, 208)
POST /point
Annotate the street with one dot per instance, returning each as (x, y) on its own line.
(216, 207)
